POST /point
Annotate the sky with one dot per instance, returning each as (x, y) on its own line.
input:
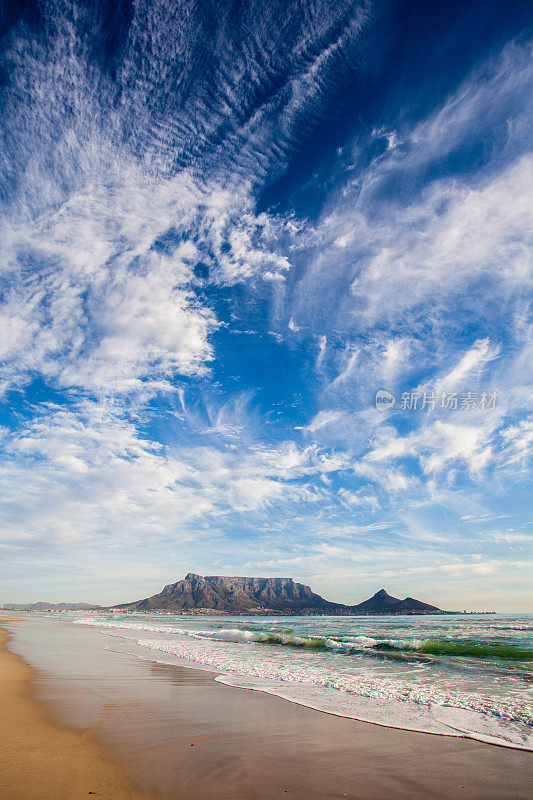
(265, 297)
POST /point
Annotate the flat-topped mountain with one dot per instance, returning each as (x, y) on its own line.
(218, 593)
(227, 595)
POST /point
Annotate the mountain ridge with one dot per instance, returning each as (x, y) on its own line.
(221, 594)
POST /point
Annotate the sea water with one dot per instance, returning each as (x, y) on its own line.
(463, 675)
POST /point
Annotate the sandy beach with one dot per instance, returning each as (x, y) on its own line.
(120, 727)
(40, 759)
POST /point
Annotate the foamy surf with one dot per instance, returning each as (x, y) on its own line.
(436, 719)
(442, 676)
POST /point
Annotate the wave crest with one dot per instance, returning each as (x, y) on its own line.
(366, 644)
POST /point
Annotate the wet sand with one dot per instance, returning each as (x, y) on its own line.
(176, 733)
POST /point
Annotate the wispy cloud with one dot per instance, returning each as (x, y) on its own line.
(188, 363)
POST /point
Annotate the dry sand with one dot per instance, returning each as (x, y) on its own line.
(179, 734)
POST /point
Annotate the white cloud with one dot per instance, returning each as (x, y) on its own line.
(389, 478)
(324, 418)
(76, 473)
(517, 442)
(439, 445)
(396, 359)
(480, 354)
(469, 234)
(359, 498)
(322, 346)
(293, 326)
(420, 255)
(350, 361)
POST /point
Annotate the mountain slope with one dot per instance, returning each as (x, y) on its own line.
(384, 603)
(240, 595)
(235, 595)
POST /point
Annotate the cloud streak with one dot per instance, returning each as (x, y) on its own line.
(185, 365)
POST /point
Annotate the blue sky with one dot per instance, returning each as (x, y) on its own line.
(224, 228)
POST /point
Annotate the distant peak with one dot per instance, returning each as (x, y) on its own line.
(382, 593)
(192, 576)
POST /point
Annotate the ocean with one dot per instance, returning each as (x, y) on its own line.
(457, 675)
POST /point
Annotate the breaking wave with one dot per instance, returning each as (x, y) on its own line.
(453, 677)
(469, 650)
(367, 644)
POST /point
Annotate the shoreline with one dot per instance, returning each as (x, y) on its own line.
(387, 725)
(175, 732)
(451, 709)
(40, 759)
(246, 683)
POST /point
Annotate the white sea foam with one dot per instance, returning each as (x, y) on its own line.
(341, 673)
